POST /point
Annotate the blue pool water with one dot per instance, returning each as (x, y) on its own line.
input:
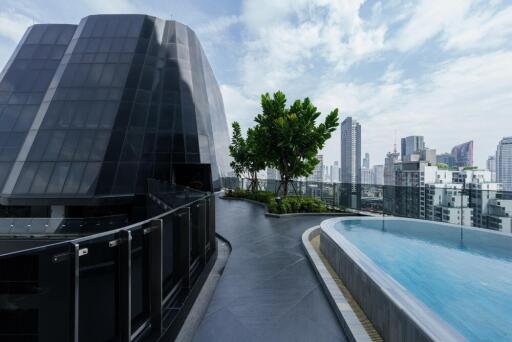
(463, 275)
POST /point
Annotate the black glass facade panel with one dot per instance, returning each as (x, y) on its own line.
(94, 110)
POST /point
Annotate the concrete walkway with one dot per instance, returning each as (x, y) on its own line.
(268, 291)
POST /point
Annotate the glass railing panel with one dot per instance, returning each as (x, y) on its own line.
(37, 295)
(176, 250)
(98, 299)
(140, 304)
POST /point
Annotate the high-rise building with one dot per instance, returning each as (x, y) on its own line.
(428, 155)
(389, 191)
(377, 175)
(366, 176)
(91, 113)
(446, 158)
(318, 172)
(366, 161)
(448, 203)
(111, 121)
(463, 154)
(491, 166)
(410, 180)
(412, 144)
(335, 172)
(351, 162)
(504, 163)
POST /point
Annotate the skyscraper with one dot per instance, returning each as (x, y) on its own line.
(335, 172)
(377, 175)
(412, 144)
(463, 154)
(351, 162)
(491, 166)
(504, 163)
(318, 172)
(366, 161)
(91, 112)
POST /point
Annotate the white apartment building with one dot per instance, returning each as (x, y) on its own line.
(500, 214)
(447, 203)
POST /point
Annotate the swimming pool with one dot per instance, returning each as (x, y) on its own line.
(434, 272)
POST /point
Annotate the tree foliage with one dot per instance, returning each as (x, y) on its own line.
(247, 159)
(289, 138)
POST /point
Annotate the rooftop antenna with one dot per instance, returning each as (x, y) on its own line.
(394, 143)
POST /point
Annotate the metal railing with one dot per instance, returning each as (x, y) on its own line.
(471, 205)
(124, 284)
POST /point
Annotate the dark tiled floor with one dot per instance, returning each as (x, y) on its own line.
(268, 291)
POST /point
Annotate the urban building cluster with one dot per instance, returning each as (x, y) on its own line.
(418, 182)
(448, 187)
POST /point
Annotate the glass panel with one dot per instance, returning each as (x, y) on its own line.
(84, 147)
(74, 178)
(68, 148)
(25, 118)
(140, 279)
(59, 175)
(36, 292)
(54, 146)
(42, 177)
(89, 178)
(98, 291)
(25, 178)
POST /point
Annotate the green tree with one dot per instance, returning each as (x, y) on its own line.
(442, 166)
(247, 159)
(289, 138)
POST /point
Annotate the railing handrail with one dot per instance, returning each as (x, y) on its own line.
(130, 227)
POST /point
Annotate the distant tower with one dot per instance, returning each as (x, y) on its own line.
(366, 161)
(504, 163)
(351, 162)
(463, 154)
(412, 144)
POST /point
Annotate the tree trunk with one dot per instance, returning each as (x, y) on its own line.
(285, 188)
(254, 182)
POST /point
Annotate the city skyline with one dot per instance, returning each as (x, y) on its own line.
(377, 61)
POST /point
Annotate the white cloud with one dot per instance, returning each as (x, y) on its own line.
(428, 19)
(219, 25)
(286, 39)
(467, 98)
(111, 6)
(458, 24)
(482, 29)
(13, 25)
(239, 107)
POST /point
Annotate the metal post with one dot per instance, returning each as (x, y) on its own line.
(155, 274)
(75, 282)
(125, 285)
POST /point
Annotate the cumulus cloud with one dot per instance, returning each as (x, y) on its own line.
(112, 6)
(467, 98)
(13, 25)
(219, 25)
(311, 48)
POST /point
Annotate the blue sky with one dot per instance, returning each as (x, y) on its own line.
(438, 68)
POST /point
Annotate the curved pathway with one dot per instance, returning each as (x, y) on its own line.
(268, 291)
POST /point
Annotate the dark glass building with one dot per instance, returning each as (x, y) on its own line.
(89, 113)
(112, 140)
(463, 154)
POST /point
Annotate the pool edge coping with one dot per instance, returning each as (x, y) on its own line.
(434, 326)
(350, 323)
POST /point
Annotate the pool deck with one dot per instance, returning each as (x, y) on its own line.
(268, 290)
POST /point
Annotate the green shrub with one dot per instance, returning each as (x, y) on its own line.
(287, 205)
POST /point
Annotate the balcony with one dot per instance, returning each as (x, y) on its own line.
(139, 281)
